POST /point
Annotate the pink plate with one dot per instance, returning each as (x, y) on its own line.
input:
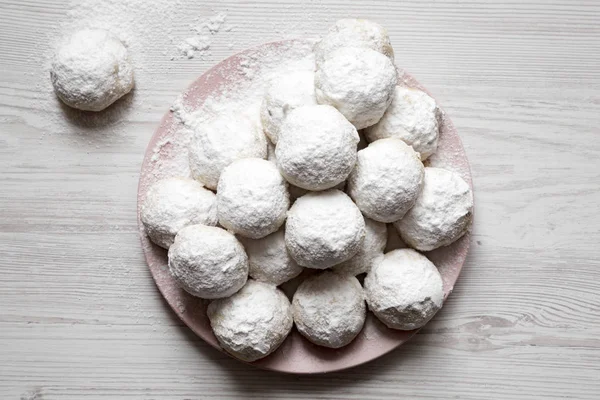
(166, 155)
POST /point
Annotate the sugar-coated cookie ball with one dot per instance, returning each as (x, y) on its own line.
(174, 203)
(405, 290)
(353, 32)
(359, 82)
(284, 94)
(324, 229)
(387, 179)
(91, 70)
(220, 142)
(329, 309)
(316, 148)
(252, 198)
(413, 118)
(269, 259)
(370, 252)
(208, 262)
(252, 323)
(442, 213)
(294, 190)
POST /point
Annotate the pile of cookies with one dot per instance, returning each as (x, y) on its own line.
(249, 219)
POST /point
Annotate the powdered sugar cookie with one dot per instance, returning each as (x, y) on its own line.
(441, 214)
(317, 147)
(174, 203)
(324, 229)
(218, 143)
(208, 262)
(413, 118)
(329, 309)
(404, 290)
(252, 323)
(91, 70)
(252, 198)
(359, 82)
(387, 179)
(284, 94)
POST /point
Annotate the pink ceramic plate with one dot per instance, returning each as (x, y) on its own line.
(167, 153)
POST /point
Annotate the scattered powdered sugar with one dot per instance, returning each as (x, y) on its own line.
(199, 44)
(193, 46)
(159, 147)
(214, 23)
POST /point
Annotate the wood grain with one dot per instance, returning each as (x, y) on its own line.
(80, 316)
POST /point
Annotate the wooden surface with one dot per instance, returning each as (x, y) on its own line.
(80, 316)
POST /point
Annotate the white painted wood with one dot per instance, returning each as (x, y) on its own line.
(80, 316)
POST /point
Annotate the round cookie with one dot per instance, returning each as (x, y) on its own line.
(329, 309)
(442, 213)
(370, 252)
(208, 262)
(252, 198)
(324, 229)
(91, 70)
(359, 82)
(220, 142)
(294, 190)
(284, 94)
(353, 32)
(387, 180)
(252, 323)
(405, 290)
(316, 148)
(173, 203)
(413, 118)
(269, 259)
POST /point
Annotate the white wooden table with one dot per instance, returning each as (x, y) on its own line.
(80, 316)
